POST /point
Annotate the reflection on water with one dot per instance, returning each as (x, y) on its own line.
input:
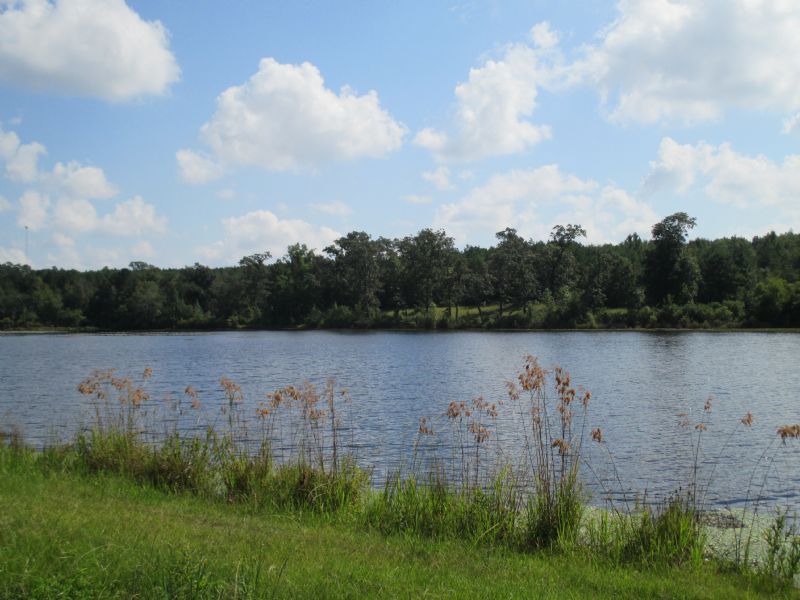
(640, 383)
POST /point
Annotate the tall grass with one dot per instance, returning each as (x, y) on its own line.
(289, 453)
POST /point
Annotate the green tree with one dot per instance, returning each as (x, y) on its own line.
(256, 283)
(426, 259)
(561, 258)
(511, 269)
(728, 269)
(356, 271)
(671, 271)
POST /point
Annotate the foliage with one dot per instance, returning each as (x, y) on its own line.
(363, 282)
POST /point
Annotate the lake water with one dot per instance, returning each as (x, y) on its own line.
(640, 383)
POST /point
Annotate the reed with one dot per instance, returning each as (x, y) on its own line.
(292, 455)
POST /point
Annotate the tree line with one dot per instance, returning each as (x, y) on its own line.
(424, 281)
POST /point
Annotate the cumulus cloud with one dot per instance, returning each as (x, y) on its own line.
(337, 208)
(143, 249)
(262, 230)
(724, 175)
(534, 200)
(71, 179)
(197, 169)
(690, 61)
(494, 105)
(77, 181)
(33, 210)
(23, 165)
(61, 198)
(284, 119)
(97, 48)
(13, 255)
(129, 218)
(792, 123)
(440, 178)
(133, 217)
(75, 215)
(21, 160)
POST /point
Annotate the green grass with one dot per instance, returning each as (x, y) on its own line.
(69, 535)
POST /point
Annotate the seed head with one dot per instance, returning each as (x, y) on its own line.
(789, 431)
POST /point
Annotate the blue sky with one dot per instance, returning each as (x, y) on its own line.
(182, 132)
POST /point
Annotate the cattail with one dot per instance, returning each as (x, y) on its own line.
(424, 429)
(789, 431)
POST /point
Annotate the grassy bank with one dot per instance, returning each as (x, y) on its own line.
(137, 506)
(71, 535)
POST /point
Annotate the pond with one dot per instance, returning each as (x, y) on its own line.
(642, 384)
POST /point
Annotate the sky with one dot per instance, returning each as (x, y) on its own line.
(196, 131)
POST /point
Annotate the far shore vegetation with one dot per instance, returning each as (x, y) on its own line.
(270, 501)
(424, 282)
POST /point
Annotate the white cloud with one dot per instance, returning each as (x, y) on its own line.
(97, 258)
(63, 241)
(133, 217)
(262, 230)
(337, 208)
(98, 48)
(23, 165)
(440, 178)
(543, 36)
(21, 159)
(9, 142)
(197, 169)
(791, 123)
(5, 205)
(129, 218)
(534, 200)
(724, 175)
(77, 181)
(67, 255)
(75, 215)
(33, 210)
(284, 118)
(690, 60)
(143, 249)
(72, 179)
(13, 255)
(494, 105)
(226, 194)
(416, 199)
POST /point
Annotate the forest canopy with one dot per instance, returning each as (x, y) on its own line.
(424, 281)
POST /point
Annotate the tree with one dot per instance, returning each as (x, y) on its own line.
(728, 269)
(356, 269)
(256, 284)
(297, 286)
(561, 258)
(671, 271)
(511, 268)
(426, 259)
